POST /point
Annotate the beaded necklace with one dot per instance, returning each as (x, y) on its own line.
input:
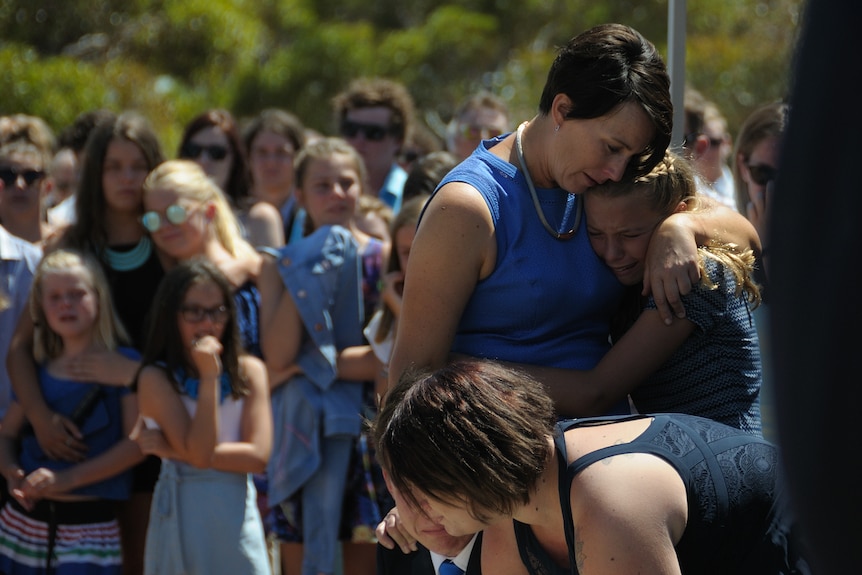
(131, 259)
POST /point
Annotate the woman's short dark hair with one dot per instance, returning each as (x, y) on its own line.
(473, 432)
(603, 68)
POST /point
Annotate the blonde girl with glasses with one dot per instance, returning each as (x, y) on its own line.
(205, 408)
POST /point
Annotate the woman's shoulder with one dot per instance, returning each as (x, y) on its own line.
(263, 211)
(241, 271)
(264, 225)
(152, 372)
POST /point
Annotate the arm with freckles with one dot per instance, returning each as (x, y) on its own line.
(672, 259)
(251, 453)
(453, 249)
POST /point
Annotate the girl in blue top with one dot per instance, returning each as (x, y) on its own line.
(61, 514)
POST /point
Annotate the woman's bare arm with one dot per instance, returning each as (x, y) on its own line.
(453, 249)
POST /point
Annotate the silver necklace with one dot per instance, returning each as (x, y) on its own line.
(580, 200)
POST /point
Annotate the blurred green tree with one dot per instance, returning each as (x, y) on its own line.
(170, 59)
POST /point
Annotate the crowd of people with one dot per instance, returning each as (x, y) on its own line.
(279, 351)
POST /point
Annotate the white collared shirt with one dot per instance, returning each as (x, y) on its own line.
(461, 560)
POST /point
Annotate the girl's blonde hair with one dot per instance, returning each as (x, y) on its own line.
(109, 332)
(188, 180)
(670, 182)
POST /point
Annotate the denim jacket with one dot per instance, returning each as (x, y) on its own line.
(322, 274)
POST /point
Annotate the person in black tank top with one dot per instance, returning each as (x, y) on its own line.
(476, 445)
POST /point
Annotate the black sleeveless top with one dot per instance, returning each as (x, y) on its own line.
(133, 291)
(738, 520)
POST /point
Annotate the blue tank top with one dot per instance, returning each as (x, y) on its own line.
(102, 428)
(548, 302)
(247, 298)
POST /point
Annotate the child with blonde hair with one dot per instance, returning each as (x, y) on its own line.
(62, 515)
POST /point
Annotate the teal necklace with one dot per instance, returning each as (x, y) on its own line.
(131, 259)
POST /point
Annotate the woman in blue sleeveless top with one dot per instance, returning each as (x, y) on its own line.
(501, 266)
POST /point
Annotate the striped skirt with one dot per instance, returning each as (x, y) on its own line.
(81, 537)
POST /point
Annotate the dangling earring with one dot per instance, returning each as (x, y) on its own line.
(556, 128)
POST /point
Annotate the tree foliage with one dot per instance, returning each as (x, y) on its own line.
(170, 59)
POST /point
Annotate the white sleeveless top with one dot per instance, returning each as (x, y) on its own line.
(229, 417)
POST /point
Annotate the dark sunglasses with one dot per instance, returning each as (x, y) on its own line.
(762, 174)
(194, 151)
(689, 139)
(196, 313)
(10, 176)
(175, 214)
(372, 132)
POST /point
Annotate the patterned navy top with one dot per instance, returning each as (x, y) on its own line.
(738, 518)
(716, 372)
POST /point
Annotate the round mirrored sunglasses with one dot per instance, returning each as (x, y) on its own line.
(174, 213)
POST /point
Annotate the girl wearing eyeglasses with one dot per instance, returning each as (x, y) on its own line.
(212, 140)
(121, 150)
(205, 408)
(61, 516)
(188, 216)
